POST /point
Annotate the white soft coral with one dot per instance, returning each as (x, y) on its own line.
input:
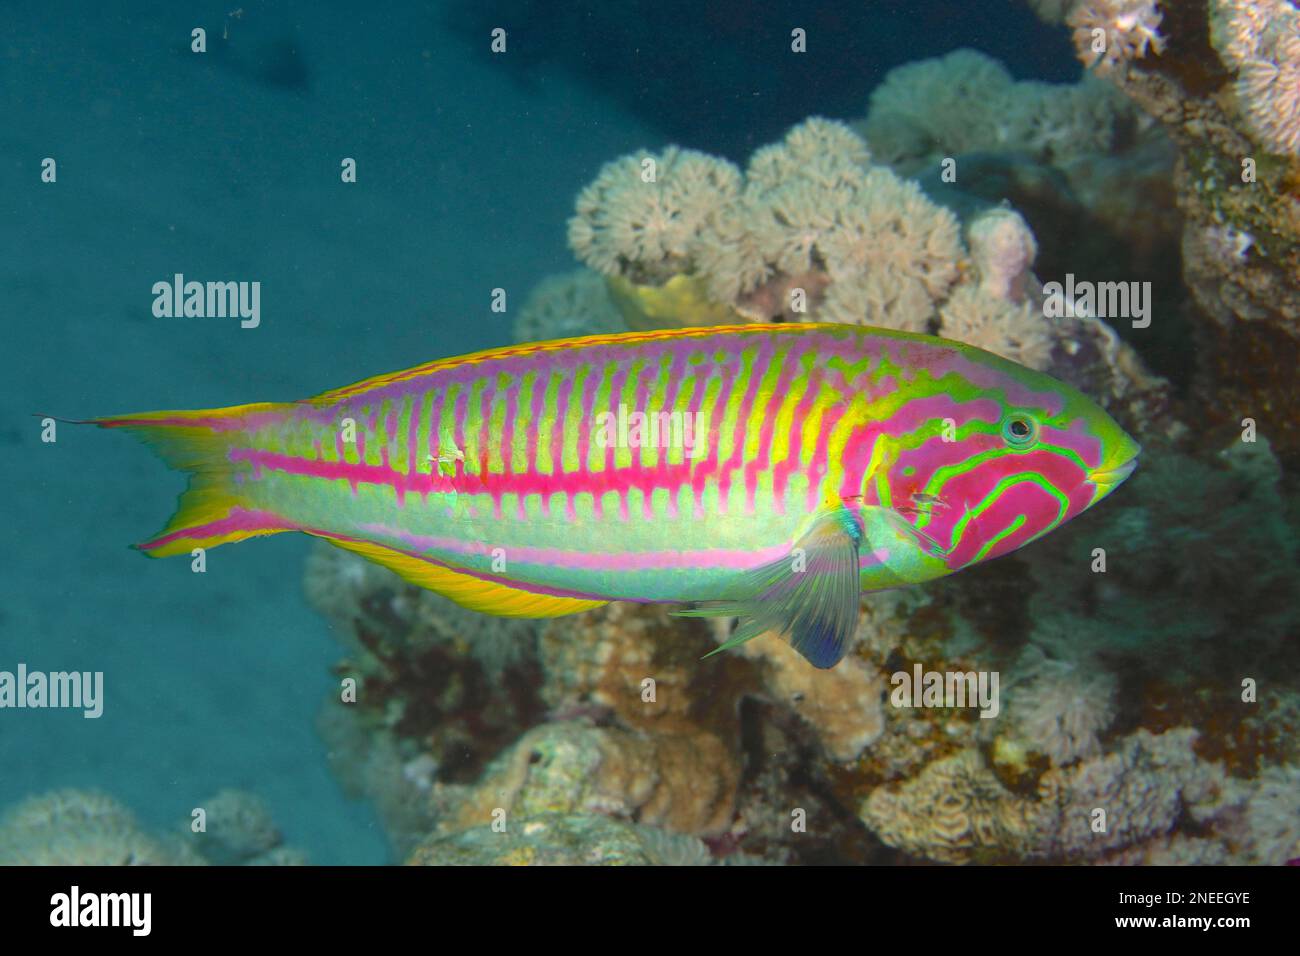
(1260, 39)
(1110, 33)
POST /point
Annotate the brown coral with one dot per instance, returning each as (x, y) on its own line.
(682, 782)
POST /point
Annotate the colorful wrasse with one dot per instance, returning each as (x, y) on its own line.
(768, 472)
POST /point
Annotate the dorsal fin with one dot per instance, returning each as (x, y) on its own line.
(561, 345)
(487, 597)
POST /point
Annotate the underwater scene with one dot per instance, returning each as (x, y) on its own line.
(674, 433)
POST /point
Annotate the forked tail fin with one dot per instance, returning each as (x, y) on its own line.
(213, 510)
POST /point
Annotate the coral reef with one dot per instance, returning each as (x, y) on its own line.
(1224, 88)
(84, 828)
(954, 811)
(681, 782)
(238, 828)
(958, 811)
(767, 760)
(557, 839)
(817, 229)
(1272, 816)
(1146, 659)
(424, 666)
(844, 707)
(439, 689)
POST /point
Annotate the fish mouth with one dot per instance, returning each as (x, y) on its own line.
(1112, 476)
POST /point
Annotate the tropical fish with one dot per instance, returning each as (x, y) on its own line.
(765, 472)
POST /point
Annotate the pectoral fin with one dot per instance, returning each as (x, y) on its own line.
(810, 595)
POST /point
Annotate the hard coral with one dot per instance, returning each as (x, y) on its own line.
(642, 666)
(682, 782)
(954, 811)
(957, 811)
(88, 828)
(844, 706)
(558, 839)
(83, 828)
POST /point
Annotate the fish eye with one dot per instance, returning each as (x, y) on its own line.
(1019, 430)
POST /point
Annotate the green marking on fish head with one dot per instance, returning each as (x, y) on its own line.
(994, 455)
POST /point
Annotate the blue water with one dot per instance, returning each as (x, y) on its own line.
(169, 163)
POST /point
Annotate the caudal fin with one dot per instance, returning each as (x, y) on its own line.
(212, 510)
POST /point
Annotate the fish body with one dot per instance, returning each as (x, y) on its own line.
(766, 471)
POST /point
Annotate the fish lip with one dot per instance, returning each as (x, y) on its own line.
(1113, 476)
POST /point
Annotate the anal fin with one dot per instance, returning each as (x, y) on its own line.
(474, 593)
